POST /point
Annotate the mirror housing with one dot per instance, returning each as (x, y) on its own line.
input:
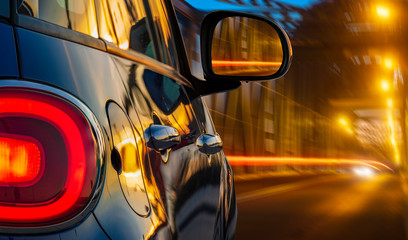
(267, 50)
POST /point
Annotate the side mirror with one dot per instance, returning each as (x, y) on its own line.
(241, 46)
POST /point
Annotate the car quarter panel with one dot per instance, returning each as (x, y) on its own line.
(8, 53)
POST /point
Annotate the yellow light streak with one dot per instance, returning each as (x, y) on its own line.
(244, 63)
(393, 140)
(269, 161)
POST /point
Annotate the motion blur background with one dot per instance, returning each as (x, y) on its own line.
(321, 152)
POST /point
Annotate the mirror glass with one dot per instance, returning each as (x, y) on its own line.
(244, 46)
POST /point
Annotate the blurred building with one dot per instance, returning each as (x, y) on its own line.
(343, 49)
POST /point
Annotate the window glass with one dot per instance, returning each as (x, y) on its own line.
(162, 25)
(78, 15)
(190, 31)
(164, 91)
(172, 103)
(124, 23)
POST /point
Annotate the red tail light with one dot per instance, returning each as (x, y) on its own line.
(20, 160)
(48, 159)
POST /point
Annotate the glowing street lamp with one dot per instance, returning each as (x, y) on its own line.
(385, 85)
(343, 122)
(388, 63)
(383, 12)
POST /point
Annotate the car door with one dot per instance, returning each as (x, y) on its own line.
(186, 182)
(191, 185)
(181, 184)
(196, 187)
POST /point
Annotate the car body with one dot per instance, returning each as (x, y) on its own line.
(103, 132)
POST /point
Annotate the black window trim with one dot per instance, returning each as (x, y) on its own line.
(152, 30)
(149, 14)
(182, 59)
(54, 30)
(150, 63)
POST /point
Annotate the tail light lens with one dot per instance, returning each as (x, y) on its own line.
(21, 160)
(48, 158)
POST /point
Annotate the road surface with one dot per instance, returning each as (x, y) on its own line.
(322, 207)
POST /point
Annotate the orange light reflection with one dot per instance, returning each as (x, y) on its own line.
(244, 63)
(269, 161)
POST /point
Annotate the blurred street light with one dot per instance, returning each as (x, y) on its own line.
(385, 85)
(383, 12)
(388, 63)
(344, 123)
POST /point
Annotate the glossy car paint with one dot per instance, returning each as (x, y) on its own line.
(88, 229)
(8, 61)
(190, 195)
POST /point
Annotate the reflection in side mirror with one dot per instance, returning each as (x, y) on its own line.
(237, 46)
(244, 46)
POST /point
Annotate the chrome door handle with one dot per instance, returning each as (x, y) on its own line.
(209, 143)
(160, 138)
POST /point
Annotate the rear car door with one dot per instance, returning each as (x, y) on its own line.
(182, 184)
(187, 181)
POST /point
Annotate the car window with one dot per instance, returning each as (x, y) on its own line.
(191, 36)
(164, 91)
(124, 23)
(165, 36)
(78, 15)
